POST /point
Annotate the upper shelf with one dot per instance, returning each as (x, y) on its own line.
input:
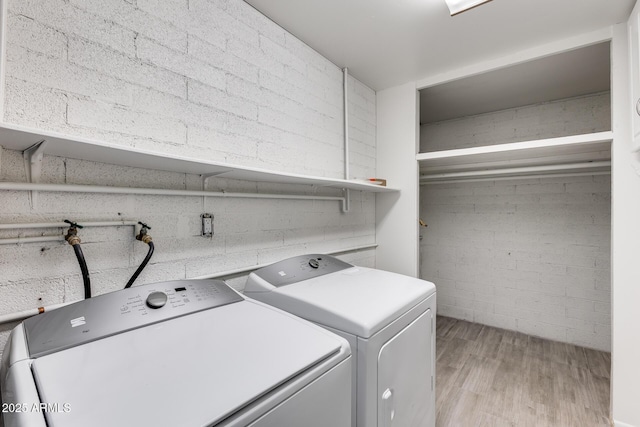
(588, 153)
(14, 137)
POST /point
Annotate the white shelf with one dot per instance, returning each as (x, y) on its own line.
(14, 137)
(585, 153)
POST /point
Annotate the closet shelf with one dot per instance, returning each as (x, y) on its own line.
(15, 137)
(577, 153)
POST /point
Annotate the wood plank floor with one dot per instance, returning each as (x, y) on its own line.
(489, 377)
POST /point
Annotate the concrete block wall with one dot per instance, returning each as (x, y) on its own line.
(565, 117)
(207, 79)
(531, 255)
(213, 79)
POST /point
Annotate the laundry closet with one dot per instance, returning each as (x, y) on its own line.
(515, 196)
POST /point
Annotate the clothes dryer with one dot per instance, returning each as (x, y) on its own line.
(182, 353)
(388, 319)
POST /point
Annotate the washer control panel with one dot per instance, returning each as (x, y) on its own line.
(297, 269)
(110, 314)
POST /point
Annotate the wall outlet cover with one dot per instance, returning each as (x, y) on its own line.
(207, 224)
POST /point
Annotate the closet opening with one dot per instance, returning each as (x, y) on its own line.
(516, 197)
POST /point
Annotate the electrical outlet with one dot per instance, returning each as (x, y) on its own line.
(207, 225)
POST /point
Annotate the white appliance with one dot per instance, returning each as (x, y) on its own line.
(387, 318)
(182, 353)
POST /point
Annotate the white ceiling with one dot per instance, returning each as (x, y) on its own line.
(389, 42)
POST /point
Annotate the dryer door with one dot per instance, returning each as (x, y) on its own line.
(405, 376)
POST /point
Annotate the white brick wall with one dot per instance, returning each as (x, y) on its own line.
(208, 79)
(531, 255)
(572, 116)
(114, 66)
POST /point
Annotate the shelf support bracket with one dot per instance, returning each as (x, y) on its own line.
(33, 167)
(206, 176)
(346, 202)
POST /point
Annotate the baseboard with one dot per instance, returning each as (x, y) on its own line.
(621, 424)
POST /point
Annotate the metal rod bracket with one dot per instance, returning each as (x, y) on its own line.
(33, 166)
(205, 177)
(346, 202)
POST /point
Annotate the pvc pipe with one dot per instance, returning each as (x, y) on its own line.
(346, 122)
(516, 171)
(21, 315)
(39, 239)
(65, 225)
(504, 178)
(74, 188)
(35, 239)
(346, 205)
(3, 52)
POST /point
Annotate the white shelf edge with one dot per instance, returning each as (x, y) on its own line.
(574, 140)
(571, 154)
(17, 137)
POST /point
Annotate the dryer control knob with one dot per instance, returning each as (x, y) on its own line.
(156, 299)
(313, 263)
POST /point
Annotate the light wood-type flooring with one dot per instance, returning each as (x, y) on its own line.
(489, 377)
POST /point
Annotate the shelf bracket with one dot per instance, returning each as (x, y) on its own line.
(206, 176)
(33, 167)
(346, 202)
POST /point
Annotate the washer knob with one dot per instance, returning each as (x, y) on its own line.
(156, 299)
(313, 263)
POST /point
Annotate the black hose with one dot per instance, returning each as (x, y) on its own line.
(142, 266)
(85, 272)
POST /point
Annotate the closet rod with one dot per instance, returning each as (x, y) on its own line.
(505, 178)
(519, 171)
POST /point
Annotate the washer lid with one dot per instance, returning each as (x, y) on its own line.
(194, 370)
(358, 300)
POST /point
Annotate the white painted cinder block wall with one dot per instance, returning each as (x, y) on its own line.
(208, 79)
(531, 255)
(527, 254)
(564, 117)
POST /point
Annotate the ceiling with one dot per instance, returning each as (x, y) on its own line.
(389, 42)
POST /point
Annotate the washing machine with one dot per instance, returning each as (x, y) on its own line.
(388, 319)
(182, 353)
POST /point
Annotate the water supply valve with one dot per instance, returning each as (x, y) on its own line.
(143, 235)
(72, 233)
